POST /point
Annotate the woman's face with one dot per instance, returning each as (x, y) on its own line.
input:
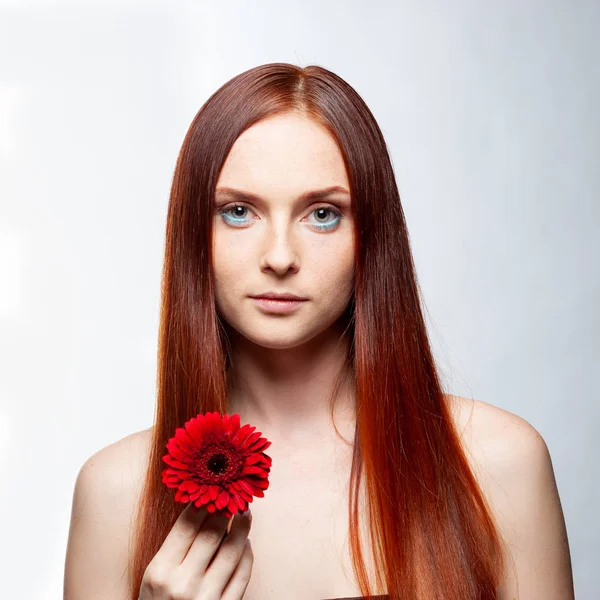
(278, 240)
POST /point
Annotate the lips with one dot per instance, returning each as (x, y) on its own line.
(270, 305)
(270, 296)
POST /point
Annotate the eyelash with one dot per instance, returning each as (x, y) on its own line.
(321, 227)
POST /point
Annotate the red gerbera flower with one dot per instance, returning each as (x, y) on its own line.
(215, 463)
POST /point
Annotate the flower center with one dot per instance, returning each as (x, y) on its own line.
(217, 464)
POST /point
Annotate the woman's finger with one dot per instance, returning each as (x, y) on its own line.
(236, 587)
(182, 535)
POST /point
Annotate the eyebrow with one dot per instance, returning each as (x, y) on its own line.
(309, 195)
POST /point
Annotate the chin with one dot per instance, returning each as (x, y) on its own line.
(280, 335)
(279, 341)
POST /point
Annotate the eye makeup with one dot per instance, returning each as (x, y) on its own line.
(242, 222)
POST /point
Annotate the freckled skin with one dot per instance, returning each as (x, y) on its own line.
(283, 243)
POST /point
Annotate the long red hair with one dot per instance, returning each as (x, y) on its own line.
(431, 532)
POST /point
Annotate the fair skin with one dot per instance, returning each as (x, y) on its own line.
(280, 379)
(280, 243)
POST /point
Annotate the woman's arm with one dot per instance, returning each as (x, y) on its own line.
(520, 484)
(97, 548)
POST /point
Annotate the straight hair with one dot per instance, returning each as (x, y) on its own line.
(431, 532)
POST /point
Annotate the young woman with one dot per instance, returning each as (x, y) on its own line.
(380, 482)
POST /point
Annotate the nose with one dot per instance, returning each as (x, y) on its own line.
(280, 254)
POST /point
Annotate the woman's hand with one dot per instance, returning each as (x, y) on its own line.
(196, 563)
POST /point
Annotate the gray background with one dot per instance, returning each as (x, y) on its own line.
(490, 110)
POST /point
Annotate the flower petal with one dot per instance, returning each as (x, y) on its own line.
(246, 487)
(194, 432)
(174, 463)
(250, 440)
(222, 500)
(181, 496)
(214, 492)
(255, 469)
(232, 424)
(261, 445)
(261, 483)
(242, 434)
(177, 453)
(239, 501)
(232, 506)
(189, 486)
(183, 439)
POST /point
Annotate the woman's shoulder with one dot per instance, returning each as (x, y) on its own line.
(128, 454)
(105, 494)
(505, 451)
(512, 464)
(129, 459)
(117, 469)
(494, 437)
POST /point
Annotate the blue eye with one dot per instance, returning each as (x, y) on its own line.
(232, 220)
(332, 224)
(239, 220)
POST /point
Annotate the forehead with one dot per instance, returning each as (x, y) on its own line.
(287, 153)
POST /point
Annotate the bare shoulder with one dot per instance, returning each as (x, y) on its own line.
(106, 491)
(491, 434)
(512, 464)
(116, 471)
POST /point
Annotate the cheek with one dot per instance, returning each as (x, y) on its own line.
(336, 282)
(229, 269)
(333, 271)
